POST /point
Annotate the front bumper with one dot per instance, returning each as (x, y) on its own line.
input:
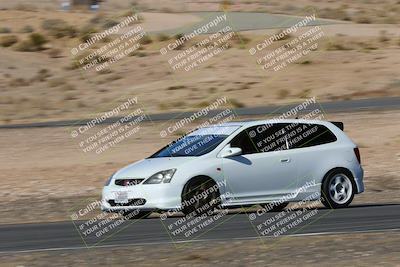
(156, 196)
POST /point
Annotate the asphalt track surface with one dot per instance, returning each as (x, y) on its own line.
(233, 226)
(371, 104)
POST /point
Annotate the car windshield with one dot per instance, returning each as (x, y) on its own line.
(196, 143)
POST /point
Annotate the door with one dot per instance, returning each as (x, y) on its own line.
(263, 172)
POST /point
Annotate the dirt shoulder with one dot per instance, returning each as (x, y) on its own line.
(366, 249)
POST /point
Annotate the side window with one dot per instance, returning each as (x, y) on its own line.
(306, 135)
(261, 138)
(244, 141)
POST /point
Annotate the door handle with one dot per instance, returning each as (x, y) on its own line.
(285, 160)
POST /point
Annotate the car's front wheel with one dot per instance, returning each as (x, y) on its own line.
(338, 189)
(200, 196)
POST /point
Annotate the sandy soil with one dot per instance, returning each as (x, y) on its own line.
(46, 167)
(369, 249)
(341, 68)
(245, 82)
(16, 20)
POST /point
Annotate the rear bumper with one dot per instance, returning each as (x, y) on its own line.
(358, 175)
(156, 196)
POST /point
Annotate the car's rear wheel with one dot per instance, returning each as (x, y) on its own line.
(338, 189)
(134, 214)
(275, 206)
(200, 196)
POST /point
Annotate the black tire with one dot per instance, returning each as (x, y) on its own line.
(338, 189)
(133, 215)
(275, 207)
(200, 196)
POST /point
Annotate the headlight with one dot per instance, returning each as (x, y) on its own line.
(109, 180)
(161, 177)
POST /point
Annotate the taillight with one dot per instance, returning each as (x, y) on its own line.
(357, 152)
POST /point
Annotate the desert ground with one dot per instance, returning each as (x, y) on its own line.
(43, 83)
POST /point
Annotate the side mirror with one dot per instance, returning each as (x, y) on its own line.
(229, 151)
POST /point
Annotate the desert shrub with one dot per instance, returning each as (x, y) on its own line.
(145, 40)
(67, 87)
(336, 45)
(364, 19)
(69, 96)
(176, 87)
(280, 35)
(128, 13)
(42, 75)
(390, 20)
(163, 37)
(368, 46)
(19, 82)
(86, 32)
(56, 82)
(383, 37)
(283, 93)
(236, 104)
(55, 53)
(100, 17)
(8, 40)
(37, 39)
(104, 71)
(305, 62)
(110, 23)
(337, 13)
(27, 29)
(137, 54)
(178, 36)
(67, 31)
(81, 104)
(34, 43)
(305, 93)
(240, 39)
(59, 28)
(114, 77)
(49, 24)
(5, 30)
(25, 7)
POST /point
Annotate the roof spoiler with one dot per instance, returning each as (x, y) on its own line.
(338, 124)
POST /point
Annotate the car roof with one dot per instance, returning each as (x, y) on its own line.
(271, 121)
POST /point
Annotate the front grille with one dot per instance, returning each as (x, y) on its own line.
(128, 182)
(131, 202)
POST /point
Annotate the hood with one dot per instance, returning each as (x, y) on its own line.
(147, 167)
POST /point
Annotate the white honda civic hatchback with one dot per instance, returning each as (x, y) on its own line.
(236, 164)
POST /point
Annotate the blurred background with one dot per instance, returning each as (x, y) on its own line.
(42, 81)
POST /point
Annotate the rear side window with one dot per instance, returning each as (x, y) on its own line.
(306, 135)
(261, 138)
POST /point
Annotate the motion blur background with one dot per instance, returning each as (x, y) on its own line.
(41, 81)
